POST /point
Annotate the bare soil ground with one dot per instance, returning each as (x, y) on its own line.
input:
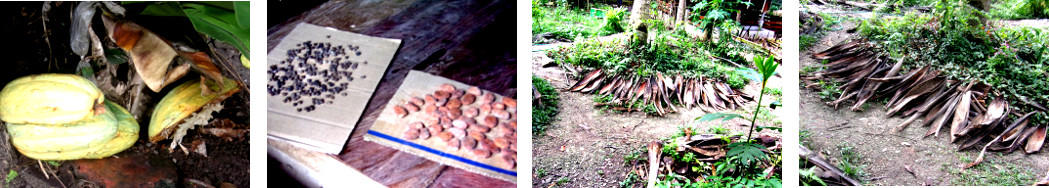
(882, 154)
(585, 145)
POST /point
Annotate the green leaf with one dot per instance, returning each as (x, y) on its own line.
(11, 174)
(759, 128)
(220, 24)
(747, 153)
(242, 9)
(767, 66)
(163, 9)
(810, 175)
(54, 163)
(719, 115)
(116, 56)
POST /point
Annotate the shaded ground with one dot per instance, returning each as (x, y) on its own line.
(883, 155)
(585, 145)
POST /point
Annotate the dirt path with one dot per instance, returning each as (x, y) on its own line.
(883, 155)
(585, 146)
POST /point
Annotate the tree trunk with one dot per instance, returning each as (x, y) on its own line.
(637, 12)
(680, 13)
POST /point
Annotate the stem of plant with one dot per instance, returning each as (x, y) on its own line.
(756, 110)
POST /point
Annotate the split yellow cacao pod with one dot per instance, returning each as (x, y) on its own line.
(126, 134)
(49, 99)
(183, 101)
(64, 137)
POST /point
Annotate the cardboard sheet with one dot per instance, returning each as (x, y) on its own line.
(326, 126)
(388, 130)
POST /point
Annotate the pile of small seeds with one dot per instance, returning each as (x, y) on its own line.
(465, 120)
(314, 74)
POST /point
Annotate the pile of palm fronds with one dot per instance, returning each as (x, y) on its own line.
(962, 105)
(661, 91)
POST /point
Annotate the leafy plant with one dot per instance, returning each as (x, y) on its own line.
(710, 13)
(54, 163)
(614, 20)
(11, 174)
(848, 162)
(809, 177)
(747, 153)
(634, 156)
(767, 67)
(562, 180)
(546, 111)
(227, 21)
(1020, 9)
(718, 130)
(630, 180)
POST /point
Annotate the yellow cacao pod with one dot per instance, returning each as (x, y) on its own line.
(49, 99)
(64, 137)
(126, 134)
(181, 102)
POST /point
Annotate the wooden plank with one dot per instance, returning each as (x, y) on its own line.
(318, 169)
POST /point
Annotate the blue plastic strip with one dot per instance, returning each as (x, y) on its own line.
(442, 154)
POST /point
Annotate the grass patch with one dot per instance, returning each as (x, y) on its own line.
(544, 111)
(540, 173)
(774, 91)
(667, 53)
(568, 23)
(562, 181)
(849, 162)
(993, 173)
(807, 40)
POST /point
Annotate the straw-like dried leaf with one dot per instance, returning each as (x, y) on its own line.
(961, 114)
(586, 80)
(918, 91)
(1035, 142)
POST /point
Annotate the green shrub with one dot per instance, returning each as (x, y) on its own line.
(1020, 9)
(614, 21)
(544, 112)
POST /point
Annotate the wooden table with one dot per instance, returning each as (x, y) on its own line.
(469, 41)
